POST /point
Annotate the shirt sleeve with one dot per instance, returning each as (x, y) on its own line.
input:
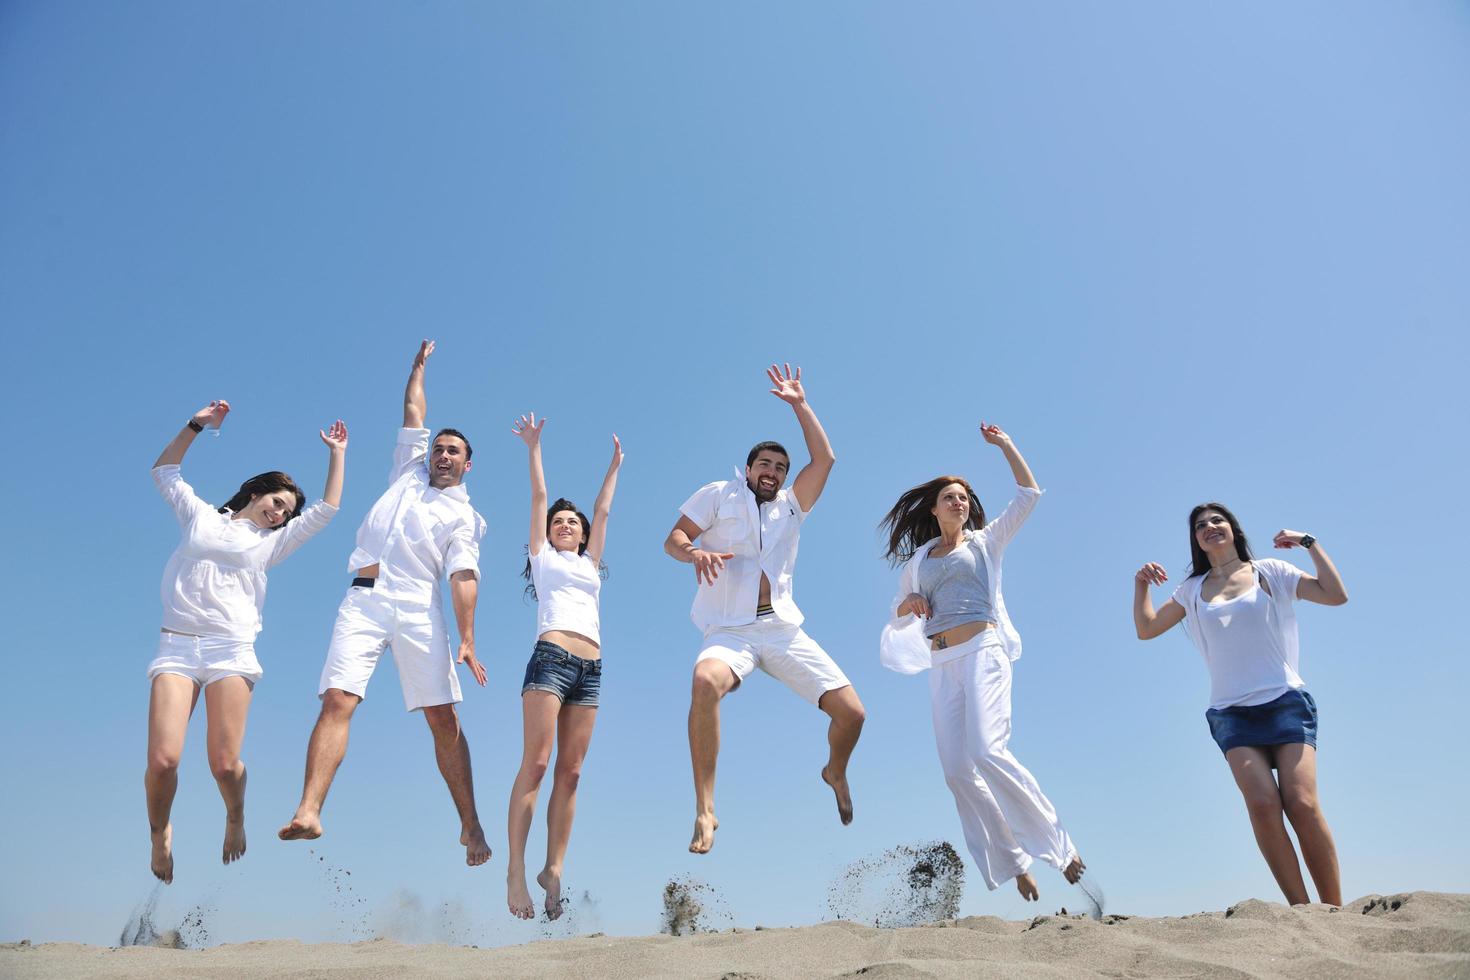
(704, 506)
(411, 450)
(463, 553)
(1000, 531)
(177, 494)
(1282, 576)
(299, 529)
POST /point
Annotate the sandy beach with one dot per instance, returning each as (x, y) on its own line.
(1415, 934)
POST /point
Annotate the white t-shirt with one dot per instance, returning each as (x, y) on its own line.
(763, 539)
(1249, 643)
(567, 588)
(214, 582)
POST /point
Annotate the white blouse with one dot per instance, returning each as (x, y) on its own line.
(214, 582)
(567, 589)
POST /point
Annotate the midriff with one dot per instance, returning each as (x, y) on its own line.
(574, 643)
(958, 635)
(368, 571)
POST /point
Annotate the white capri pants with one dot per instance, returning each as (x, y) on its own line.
(367, 624)
(1007, 820)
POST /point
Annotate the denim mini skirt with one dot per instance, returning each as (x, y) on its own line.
(1289, 720)
(571, 678)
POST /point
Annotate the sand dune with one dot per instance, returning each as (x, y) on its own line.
(1417, 934)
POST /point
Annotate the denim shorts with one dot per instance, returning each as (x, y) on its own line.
(569, 677)
(1289, 720)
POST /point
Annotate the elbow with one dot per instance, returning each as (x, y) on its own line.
(1341, 599)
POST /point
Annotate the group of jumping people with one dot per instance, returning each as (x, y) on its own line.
(741, 537)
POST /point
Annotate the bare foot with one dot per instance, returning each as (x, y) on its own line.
(234, 848)
(476, 850)
(306, 825)
(163, 854)
(1073, 871)
(705, 826)
(517, 896)
(1026, 885)
(844, 796)
(551, 881)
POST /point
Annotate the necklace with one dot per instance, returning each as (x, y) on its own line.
(1228, 569)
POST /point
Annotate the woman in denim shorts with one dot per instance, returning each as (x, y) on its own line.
(1239, 613)
(559, 696)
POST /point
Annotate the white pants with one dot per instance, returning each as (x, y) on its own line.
(367, 624)
(781, 650)
(1007, 820)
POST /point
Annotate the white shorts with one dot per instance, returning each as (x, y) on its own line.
(205, 659)
(779, 649)
(367, 624)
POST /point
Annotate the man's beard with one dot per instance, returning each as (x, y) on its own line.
(761, 495)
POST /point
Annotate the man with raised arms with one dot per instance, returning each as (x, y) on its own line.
(423, 529)
(747, 530)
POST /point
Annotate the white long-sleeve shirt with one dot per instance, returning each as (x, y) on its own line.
(763, 540)
(903, 646)
(415, 534)
(214, 582)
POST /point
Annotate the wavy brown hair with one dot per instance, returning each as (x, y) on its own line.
(911, 521)
(263, 483)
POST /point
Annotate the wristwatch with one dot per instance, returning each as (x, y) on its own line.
(1307, 541)
(195, 426)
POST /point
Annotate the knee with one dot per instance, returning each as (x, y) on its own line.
(1300, 805)
(339, 705)
(443, 720)
(849, 712)
(162, 762)
(224, 765)
(708, 685)
(568, 775)
(533, 770)
(1263, 806)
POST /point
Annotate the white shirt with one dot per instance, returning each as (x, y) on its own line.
(762, 539)
(1249, 643)
(903, 646)
(214, 582)
(567, 587)
(416, 534)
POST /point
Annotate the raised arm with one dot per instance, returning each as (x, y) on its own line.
(810, 482)
(1326, 587)
(1019, 469)
(529, 431)
(414, 405)
(212, 414)
(1146, 622)
(336, 440)
(602, 508)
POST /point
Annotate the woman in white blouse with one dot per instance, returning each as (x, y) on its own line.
(949, 618)
(213, 593)
(1239, 614)
(560, 693)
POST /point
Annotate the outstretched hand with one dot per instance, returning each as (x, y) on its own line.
(994, 434)
(336, 436)
(529, 430)
(425, 349)
(617, 456)
(1152, 573)
(709, 564)
(787, 386)
(213, 414)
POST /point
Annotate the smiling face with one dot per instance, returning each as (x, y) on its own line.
(448, 462)
(269, 510)
(766, 474)
(1212, 531)
(566, 532)
(952, 506)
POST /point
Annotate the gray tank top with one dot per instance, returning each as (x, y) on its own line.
(957, 589)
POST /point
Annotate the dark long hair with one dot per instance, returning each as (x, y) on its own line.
(1199, 561)
(557, 506)
(911, 522)
(273, 482)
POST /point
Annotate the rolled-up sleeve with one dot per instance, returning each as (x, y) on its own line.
(409, 451)
(463, 551)
(179, 496)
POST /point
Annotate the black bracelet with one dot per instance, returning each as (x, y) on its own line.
(195, 426)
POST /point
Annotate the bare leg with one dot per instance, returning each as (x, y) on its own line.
(169, 706)
(453, 755)
(847, 714)
(1251, 767)
(538, 727)
(713, 679)
(227, 703)
(1297, 767)
(325, 752)
(574, 735)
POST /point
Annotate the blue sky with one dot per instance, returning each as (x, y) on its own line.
(1179, 252)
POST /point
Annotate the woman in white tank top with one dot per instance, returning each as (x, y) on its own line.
(564, 676)
(1238, 611)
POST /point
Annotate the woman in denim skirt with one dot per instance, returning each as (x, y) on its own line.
(1238, 611)
(559, 696)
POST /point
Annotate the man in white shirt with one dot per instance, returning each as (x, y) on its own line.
(748, 529)
(421, 530)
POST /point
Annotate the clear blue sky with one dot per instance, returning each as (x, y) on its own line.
(1179, 252)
